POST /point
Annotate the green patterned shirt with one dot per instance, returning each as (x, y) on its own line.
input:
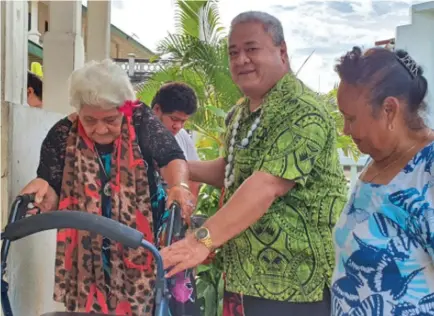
(288, 254)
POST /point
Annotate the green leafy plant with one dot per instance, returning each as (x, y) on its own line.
(344, 142)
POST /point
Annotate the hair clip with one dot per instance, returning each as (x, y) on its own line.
(128, 107)
(409, 64)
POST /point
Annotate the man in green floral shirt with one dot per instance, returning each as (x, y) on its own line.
(284, 185)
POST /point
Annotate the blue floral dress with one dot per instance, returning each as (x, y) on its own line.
(384, 244)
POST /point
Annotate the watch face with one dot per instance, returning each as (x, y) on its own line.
(201, 233)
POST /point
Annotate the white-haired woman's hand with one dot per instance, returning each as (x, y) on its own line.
(46, 198)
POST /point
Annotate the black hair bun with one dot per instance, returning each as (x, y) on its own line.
(357, 51)
(350, 64)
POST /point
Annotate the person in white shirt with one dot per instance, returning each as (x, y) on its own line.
(187, 145)
(173, 104)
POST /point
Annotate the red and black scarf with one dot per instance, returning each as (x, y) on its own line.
(79, 277)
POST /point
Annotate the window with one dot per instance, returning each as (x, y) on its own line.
(46, 26)
(29, 22)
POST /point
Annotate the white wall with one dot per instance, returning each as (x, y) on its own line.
(63, 53)
(15, 52)
(31, 260)
(418, 39)
(14, 74)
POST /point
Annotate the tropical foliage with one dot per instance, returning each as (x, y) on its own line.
(345, 143)
(198, 50)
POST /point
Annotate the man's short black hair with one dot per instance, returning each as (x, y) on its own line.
(176, 96)
(33, 81)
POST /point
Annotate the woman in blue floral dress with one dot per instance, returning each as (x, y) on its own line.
(384, 240)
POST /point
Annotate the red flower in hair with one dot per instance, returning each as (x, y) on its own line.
(128, 107)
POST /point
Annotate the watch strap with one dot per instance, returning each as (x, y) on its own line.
(207, 241)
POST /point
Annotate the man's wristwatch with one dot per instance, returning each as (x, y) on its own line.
(202, 235)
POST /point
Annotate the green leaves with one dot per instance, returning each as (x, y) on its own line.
(199, 19)
(344, 142)
(199, 48)
(215, 110)
(210, 287)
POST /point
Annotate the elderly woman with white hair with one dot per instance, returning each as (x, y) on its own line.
(98, 160)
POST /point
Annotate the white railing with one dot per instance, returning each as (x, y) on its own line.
(135, 66)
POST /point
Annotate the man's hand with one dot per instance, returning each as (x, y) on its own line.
(46, 198)
(184, 254)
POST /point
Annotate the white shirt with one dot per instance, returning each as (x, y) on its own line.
(186, 143)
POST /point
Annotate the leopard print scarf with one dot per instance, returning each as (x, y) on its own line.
(79, 277)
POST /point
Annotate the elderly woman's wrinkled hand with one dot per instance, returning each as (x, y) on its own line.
(46, 198)
(185, 199)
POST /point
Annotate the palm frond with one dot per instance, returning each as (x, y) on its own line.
(304, 63)
(199, 19)
(172, 73)
(211, 29)
(211, 60)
